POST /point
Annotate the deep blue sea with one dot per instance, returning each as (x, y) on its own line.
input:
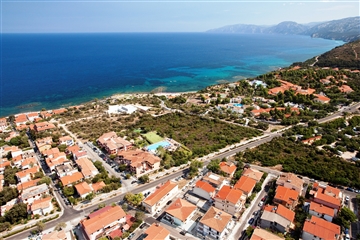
(56, 70)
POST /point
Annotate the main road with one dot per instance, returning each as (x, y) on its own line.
(70, 214)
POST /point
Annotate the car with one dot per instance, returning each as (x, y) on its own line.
(169, 202)
(263, 199)
(143, 225)
(251, 221)
(300, 177)
(350, 189)
(131, 235)
(340, 187)
(347, 237)
(133, 182)
(347, 198)
(261, 204)
(183, 232)
(357, 191)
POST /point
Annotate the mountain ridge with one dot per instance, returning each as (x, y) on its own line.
(346, 29)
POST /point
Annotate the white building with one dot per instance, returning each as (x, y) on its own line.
(180, 213)
(204, 190)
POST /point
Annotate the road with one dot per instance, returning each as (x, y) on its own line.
(70, 214)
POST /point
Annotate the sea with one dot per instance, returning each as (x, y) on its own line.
(59, 70)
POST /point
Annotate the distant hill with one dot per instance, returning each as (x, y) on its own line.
(347, 29)
(345, 56)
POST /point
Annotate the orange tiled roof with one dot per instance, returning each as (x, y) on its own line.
(245, 184)
(228, 168)
(98, 186)
(28, 184)
(321, 228)
(181, 209)
(26, 172)
(216, 219)
(86, 166)
(205, 186)
(28, 161)
(83, 188)
(66, 180)
(282, 211)
(346, 89)
(51, 151)
(42, 126)
(156, 232)
(41, 203)
(322, 209)
(159, 193)
(327, 198)
(105, 218)
(290, 178)
(286, 195)
(229, 194)
(253, 173)
(322, 98)
(73, 148)
(261, 234)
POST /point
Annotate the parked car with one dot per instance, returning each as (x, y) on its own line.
(143, 225)
(133, 182)
(251, 221)
(261, 204)
(350, 189)
(131, 235)
(347, 198)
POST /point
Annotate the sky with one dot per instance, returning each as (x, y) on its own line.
(56, 16)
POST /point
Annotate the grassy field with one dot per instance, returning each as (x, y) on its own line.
(152, 137)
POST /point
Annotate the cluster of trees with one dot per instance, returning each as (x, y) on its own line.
(112, 183)
(305, 160)
(7, 194)
(15, 215)
(201, 135)
(134, 199)
(195, 165)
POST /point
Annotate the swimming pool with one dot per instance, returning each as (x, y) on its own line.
(238, 105)
(154, 146)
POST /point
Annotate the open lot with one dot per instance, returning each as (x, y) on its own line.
(152, 137)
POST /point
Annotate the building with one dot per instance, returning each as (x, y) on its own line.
(43, 144)
(43, 126)
(157, 232)
(345, 89)
(31, 194)
(321, 98)
(214, 224)
(230, 200)
(290, 180)
(3, 124)
(103, 222)
(41, 206)
(139, 161)
(56, 160)
(67, 140)
(22, 186)
(261, 234)
(317, 228)
(112, 143)
(26, 175)
(68, 180)
(228, 168)
(87, 168)
(253, 173)
(83, 189)
(214, 180)
(158, 199)
(277, 218)
(286, 197)
(328, 196)
(20, 119)
(55, 235)
(51, 153)
(180, 212)
(204, 190)
(246, 185)
(321, 211)
(65, 169)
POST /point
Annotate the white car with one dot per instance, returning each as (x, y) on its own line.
(347, 198)
(261, 204)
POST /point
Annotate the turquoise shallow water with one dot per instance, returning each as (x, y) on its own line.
(56, 70)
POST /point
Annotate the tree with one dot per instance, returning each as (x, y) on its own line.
(5, 226)
(90, 196)
(60, 226)
(45, 179)
(139, 215)
(69, 191)
(194, 168)
(214, 166)
(144, 178)
(127, 176)
(122, 167)
(16, 213)
(134, 199)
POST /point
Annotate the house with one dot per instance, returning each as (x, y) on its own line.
(83, 189)
(3, 163)
(286, 197)
(87, 168)
(345, 89)
(139, 161)
(228, 168)
(28, 163)
(50, 153)
(12, 134)
(329, 196)
(26, 175)
(20, 119)
(56, 160)
(68, 180)
(72, 149)
(277, 218)
(317, 228)
(230, 200)
(290, 180)
(55, 235)
(3, 124)
(41, 206)
(22, 186)
(309, 141)
(97, 186)
(158, 199)
(112, 143)
(204, 190)
(214, 224)
(67, 140)
(65, 169)
(31, 194)
(253, 173)
(261, 234)
(156, 232)
(45, 114)
(79, 154)
(321, 211)
(125, 109)
(59, 111)
(246, 185)
(321, 98)
(103, 221)
(214, 180)
(43, 126)
(32, 116)
(180, 212)
(43, 143)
